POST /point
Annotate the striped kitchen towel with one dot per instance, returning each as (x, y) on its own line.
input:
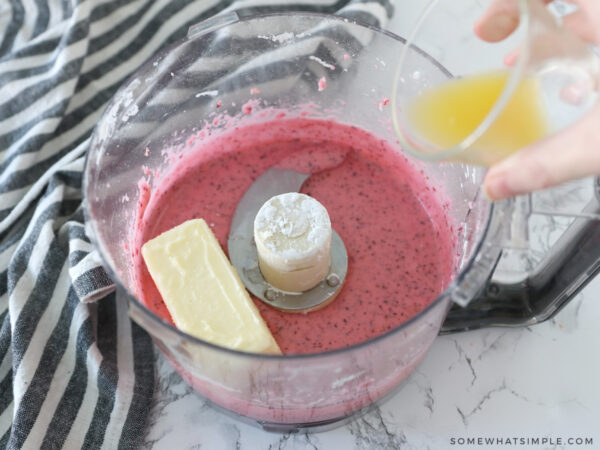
(76, 373)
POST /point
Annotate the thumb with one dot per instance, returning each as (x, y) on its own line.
(568, 155)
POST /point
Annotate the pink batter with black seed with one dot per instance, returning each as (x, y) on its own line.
(397, 235)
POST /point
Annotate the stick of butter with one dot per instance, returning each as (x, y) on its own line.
(202, 290)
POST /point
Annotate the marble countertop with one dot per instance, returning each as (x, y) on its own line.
(541, 381)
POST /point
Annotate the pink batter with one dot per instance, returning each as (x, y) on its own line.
(398, 238)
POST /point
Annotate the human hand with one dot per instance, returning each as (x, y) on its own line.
(570, 154)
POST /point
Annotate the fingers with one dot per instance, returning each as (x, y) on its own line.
(579, 24)
(502, 18)
(568, 155)
(498, 21)
(585, 22)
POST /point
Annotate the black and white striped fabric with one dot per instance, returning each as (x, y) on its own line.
(73, 372)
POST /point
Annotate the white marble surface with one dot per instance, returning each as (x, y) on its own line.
(534, 382)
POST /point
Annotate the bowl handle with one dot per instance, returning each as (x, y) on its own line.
(569, 265)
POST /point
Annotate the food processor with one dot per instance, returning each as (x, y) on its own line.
(319, 67)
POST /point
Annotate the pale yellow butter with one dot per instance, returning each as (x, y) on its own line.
(203, 291)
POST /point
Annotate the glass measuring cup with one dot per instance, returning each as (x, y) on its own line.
(502, 96)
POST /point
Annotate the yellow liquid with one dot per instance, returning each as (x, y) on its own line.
(447, 114)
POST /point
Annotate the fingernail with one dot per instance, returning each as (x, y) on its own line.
(498, 27)
(489, 191)
(495, 185)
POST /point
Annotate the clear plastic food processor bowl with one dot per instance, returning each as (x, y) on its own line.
(284, 56)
